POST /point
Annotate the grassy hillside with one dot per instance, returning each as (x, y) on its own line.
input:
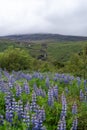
(4, 44)
(60, 51)
(57, 51)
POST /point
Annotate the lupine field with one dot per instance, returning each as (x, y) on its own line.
(42, 101)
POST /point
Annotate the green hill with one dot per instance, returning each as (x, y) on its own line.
(60, 51)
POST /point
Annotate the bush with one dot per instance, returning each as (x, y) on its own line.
(15, 59)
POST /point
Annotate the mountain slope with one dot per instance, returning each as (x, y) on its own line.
(49, 37)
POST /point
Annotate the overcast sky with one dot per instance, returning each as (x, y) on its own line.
(43, 16)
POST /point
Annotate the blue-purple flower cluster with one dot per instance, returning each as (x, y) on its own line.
(29, 111)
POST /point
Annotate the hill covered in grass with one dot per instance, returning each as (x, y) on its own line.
(44, 50)
(49, 37)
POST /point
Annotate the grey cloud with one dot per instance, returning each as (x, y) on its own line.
(45, 16)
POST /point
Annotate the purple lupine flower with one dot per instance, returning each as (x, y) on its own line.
(26, 88)
(33, 119)
(40, 92)
(11, 79)
(10, 116)
(40, 76)
(66, 81)
(63, 98)
(6, 74)
(20, 109)
(18, 90)
(75, 124)
(36, 75)
(55, 91)
(38, 124)
(81, 95)
(35, 127)
(38, 118)
(47, 82)
(16, 106)
(7, 115)
(40, 114)
(37, 111)
(27, 107)
(62, 124)
(34, 97)
(64, 106)
(74, 108)
(43, 115)
(13, 104)
(26, 118)
(10, 85)
(33, 104)
(55, 78)
(63, 112)
(9, 112)
(1, 120)
(50, 97)
(8, 96)
(28, 77)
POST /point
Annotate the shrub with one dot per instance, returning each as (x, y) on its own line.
(15, 59)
